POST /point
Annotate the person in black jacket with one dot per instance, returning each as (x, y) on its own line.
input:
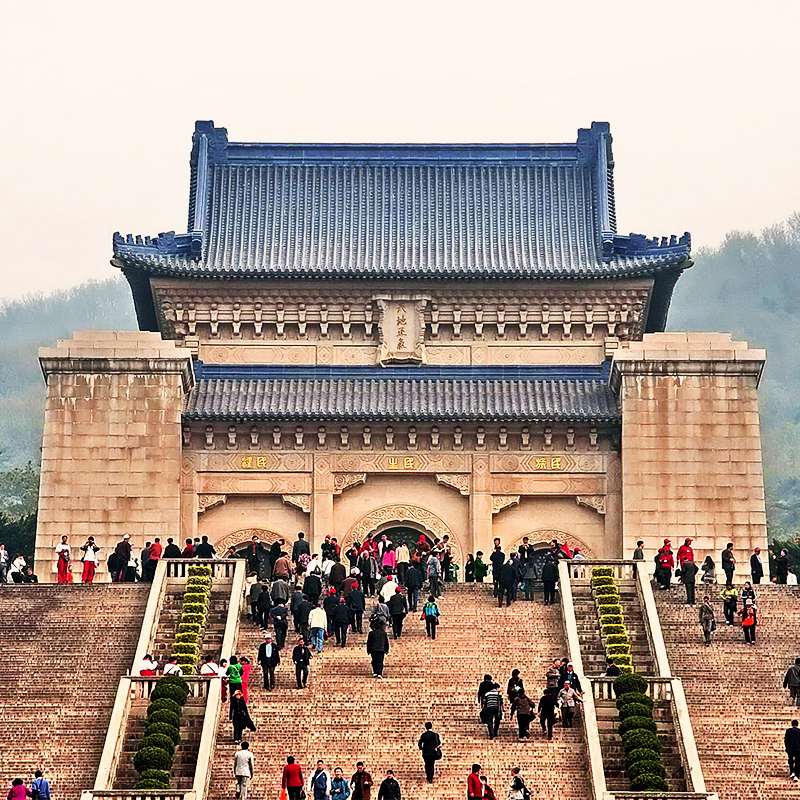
(791, 742)
(756, 566)
(312, 587)
(782, 567)
(398, 608)
(170, 551)
(274, 554)
(430, 744)
(356, 603)
(269, 656)
(484, 686)
(377, 647)
(506, 583)
(279, 616)
(301, 617)
(728, 562)
(689, 576)
(497, 559)
(263, 605)
(341, 622)
(389, 788)
(240, 716)
(414, 581)
(547, 711)
(549, 579)
(301, 656)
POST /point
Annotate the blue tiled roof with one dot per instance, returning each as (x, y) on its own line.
(267, 393)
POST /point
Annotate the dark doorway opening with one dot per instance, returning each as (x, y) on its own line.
(400, 534)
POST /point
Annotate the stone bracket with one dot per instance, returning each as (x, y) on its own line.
(207, 501)
(455, 481)
(346, 480)
(595, 501)
(301, 501)
(502, 501)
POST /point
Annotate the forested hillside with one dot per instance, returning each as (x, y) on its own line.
(748, 286)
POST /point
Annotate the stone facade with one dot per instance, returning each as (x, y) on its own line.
(111, 451)
(691, 443)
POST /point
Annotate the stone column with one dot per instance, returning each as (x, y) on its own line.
(322, 504)
(691, 444)
(480, 506)
(111, 452)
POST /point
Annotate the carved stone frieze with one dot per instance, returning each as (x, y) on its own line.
(301, 501)
(248, 462)
(461, 483)
(206, 501)
(595, 501)
(345, 480)
(400, 462)
(550, 461)
(263, 483)
(533, 485)
(503, 501)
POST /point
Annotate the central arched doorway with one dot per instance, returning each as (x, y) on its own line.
(402, 534)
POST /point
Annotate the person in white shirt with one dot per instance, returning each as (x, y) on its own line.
(172, 668)
(16, 572)
(89, 559)
(63, 555)
(327, 565)
(210, 669)
(148, 666)
(315, 563)
(317, 622)
(3, 563)
(388, 589)
(243, 768)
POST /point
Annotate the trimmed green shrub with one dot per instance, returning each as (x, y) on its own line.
(177, 680)
(195, 597)
(194, 617)
(194, 608)
(158, 740)
(152, 758)
(606, 590)
(646, 754)
(614, 609)
(610, 619)
(152, 784)
(197, 569)
(189, 636)
(618, 649)
(598, 572)
(636, 698)
(649, 783)
(189, 648)
(188, 627)
(169, 718)
(620, 660)
(617, 638)
(605, 600)
(629, 683)
(637, 724)
(155, 775)
(602, 580)
(625, 669)
(647, 767)
(635, 710)
(170, 690)
(163, 729)
(163, 703)
(199, 580)
(613, 628)
(632, 740)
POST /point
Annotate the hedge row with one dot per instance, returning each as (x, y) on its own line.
(193, 617)
(643, 763)
(162, 733)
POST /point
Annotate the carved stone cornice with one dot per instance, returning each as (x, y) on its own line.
(502, 501)
(459, 482)
(346, 480)
(595, 501)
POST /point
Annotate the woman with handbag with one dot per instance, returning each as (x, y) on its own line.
(430, 613)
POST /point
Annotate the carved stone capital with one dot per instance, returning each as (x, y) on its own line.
(455, 481)
(502, 501)
(346, 480)
(595, 501)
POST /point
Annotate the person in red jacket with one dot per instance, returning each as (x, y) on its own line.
(474, 785)
(664, 565)
(685, 552)
(292, 779)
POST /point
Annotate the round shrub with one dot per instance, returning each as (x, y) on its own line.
(610, 629)
(620, 660)
(649, 783)
(171, 691)
(617, 638)
(646, 767)
(197, 569)
(189, 627)
(162, 704)
(602, 580)
(155, 775)
(158, 740)
(635, 698)
(152, 758)
(636, 724)
(629, 683)
(162, 729)
(190, 637)
(607, 590)
(633, 740)
(610, 619)
(152, 784)
(168, 717)
(189, 648)
(618, 649)
(194, 608)
(193, 618)
(600, 571)
(186, 660)
(635, 710)
(177, 680)
(646, 754)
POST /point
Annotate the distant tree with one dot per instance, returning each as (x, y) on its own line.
(18, 535)
(19, 491)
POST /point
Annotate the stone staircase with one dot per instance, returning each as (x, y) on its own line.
(346, 714)
(738, 707)
(66, 648)
(592, 648)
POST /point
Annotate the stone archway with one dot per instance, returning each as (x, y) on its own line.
(408, 516)
(243, 536)
(542, 537)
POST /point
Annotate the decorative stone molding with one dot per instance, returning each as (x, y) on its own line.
(237, 483)
(343, 481)
(595, 501)
(206, 501)
(540, 539)
(503, 501)
(301, 501)
(244, 536)
(458, 482)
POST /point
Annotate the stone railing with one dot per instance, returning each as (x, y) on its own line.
(132, 687)
(622, 569)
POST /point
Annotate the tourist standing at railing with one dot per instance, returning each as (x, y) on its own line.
(89, 559)
(269, 657)
(188, 551)
(63, 557)
(210, 669)
(612, 670)
(171, 550)
(638, 553)
(243, 770)
(685, 552)
(148, 666)
(154, 550)
(205, 549)
(292, 779)
(172, 667)
(707, 621)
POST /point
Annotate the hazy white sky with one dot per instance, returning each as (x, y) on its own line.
(98, 103)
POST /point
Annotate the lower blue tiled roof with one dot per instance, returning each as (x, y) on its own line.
(402, 393)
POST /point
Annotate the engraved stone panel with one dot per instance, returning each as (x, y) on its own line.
(548, 484)
(401, 330)
(274, 483)
(400, 462)
(549, 462)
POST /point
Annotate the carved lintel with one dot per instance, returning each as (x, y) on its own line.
(595, 501)
(455, 481)
(206, 501)
(346, 480)
(503, 501)
(301, 501)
